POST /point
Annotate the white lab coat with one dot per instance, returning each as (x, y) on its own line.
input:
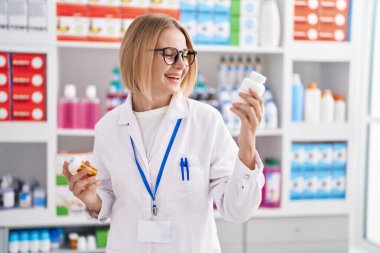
(216, 173)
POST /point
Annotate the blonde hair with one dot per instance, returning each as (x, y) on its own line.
(136, 53)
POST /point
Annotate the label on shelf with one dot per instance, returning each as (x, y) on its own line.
(28, 79)
(27, 112)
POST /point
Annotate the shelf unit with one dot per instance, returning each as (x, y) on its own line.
(92, 62)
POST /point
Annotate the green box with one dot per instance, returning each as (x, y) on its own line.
(62, 211)
(61, 180)
(235, 7)
(234, 39)
(101, 237)
(235, 23)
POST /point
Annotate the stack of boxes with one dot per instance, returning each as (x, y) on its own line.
(23, 15)
(318, 171)
(325, 20)
(104, 20)
(245, 22)
(22, 87)
(5, 103)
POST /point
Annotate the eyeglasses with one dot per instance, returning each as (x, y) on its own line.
(170, 55)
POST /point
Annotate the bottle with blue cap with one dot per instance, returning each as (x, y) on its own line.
(44, 236)
(13, 242)
(34, 243)
(24, 241)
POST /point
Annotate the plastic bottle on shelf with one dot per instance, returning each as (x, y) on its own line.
(113, 98)
(45, 245)
(82, 244)
(89, 109)
(7, 193)
(258, 65)
(25, 197)
(271, 114)
(312, 103)
(327, 107)
(231, 73)
(24, 241)
(255, 81)
(222, 71)
(13, 242)
(39, 198)
(297, 98)
(54, 238)
(271, 195)
(68, 108)
(340, 109)
(73, 241)
(34, 241)
(270, 24)
(91, 242)
(240, 70)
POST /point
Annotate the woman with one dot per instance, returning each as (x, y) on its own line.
(162, 158)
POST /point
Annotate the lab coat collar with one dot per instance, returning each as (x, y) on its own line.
(177, 109)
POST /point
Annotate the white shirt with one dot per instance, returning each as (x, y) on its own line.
(216, 173)
(149, 122)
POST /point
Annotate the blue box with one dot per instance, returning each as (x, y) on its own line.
(221, 29)
(205, 28)
(188, 5)
(222, 6)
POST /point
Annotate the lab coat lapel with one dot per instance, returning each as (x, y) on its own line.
(127, 120)
(177, 109)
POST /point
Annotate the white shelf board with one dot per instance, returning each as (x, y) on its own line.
(319, 132)
(18, 218)
(321, 51)
(199, 48)
(88, 44)
(25, 131)
(26, 38)
(76, 132)
(237, 49)
(77, 251)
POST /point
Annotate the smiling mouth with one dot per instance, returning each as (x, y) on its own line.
(172, 77)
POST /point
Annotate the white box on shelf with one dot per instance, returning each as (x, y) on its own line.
(221, 29)
(17, 14)
(3, 15)
(37, 15)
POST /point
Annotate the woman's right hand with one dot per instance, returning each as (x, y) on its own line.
(84, 188)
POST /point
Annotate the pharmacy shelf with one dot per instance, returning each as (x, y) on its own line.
(24, 217)
(25, 132)
(29, 38)
(76, 132)
(77, 251)
(320, 132)
(321, 51)
(199, 48)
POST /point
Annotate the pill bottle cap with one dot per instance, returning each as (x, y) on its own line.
(257, 77)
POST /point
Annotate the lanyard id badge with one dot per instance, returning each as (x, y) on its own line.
(145, 181)
(156, 229)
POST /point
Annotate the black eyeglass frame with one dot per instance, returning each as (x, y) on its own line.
(176, 56)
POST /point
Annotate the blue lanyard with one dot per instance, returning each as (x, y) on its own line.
(153, 196)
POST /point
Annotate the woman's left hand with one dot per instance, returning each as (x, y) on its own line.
(250, 116)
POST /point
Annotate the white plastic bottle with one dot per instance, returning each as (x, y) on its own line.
(327, 107)
(312, 103)
(270, 24)
(255, 81)
(340, 109)
(271, 115)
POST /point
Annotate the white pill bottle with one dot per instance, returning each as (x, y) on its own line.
(255, 81)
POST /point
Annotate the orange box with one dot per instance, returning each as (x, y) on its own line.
(333, 20)
(72, 22)
(105, 23)
(28, 112)
(28, 79)
(21, 61)
(5, 103)
(4, 61)
(28, 96)
(132, 12)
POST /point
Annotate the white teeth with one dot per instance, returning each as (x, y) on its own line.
(170, 76)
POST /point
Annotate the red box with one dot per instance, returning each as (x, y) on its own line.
(132, 12)
(28, 96)
(28, 79)
(5, 104)
(4, 61)
(28, 61)
(27, 112)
